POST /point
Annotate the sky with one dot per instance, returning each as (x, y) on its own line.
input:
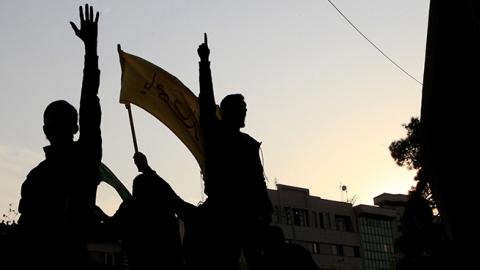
(324, 103)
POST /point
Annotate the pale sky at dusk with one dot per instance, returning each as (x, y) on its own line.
(323, 102)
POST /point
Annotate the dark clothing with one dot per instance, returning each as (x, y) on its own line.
(288, 256)
(277, 254)
(58, 196)
(233, 174)
(237, 208)
(148, 227)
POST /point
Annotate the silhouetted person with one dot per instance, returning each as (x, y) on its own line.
(58, 196)
(277, 254)
(233, 176)
(147, 224)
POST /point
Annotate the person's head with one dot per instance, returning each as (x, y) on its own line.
(60, 122)
(234, 110)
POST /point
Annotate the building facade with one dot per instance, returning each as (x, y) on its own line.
(338, 234)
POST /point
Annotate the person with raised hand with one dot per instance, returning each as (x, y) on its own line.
(58, 196)
(233, 176)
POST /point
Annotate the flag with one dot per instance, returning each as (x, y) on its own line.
(165, 97)
(107, 176)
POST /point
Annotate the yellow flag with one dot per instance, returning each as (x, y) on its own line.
(165, 97)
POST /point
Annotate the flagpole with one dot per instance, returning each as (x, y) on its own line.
(132, 127)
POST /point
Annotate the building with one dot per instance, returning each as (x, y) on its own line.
(338, 234)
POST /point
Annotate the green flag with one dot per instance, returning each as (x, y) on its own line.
(107, 176)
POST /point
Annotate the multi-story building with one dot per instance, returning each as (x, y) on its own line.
(339, 235)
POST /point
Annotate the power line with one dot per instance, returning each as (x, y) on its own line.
(373, 44)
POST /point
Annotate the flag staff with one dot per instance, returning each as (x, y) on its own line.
(132, 127)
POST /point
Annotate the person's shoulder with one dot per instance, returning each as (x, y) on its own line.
(34, 176)
(246, 137)
(38, 170)
(125, 208)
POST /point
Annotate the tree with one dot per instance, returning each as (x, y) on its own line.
(423, 242)
(406, 153)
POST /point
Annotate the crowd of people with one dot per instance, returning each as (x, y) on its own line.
(233, 223)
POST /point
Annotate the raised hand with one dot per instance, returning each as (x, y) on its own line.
(203, 50)
(88, 27)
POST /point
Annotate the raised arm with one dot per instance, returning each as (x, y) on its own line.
(208, 115)
(90, 113)
(183, 209)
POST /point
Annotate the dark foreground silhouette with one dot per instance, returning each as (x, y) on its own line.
(57, 206)
(278, 254)
(146, 224)
(58, 196)
(59, 219)
(238, 209)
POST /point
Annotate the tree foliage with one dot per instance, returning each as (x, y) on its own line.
(423, 243)
(406, 152)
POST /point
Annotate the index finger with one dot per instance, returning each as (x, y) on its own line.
(205, 39)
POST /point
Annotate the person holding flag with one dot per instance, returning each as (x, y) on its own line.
(229, 159)
(147, 223)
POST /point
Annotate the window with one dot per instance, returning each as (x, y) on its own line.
(329, 225)
(337, 250)
(278, 215)
(340, 224)
(320, 218)
(334, 250)
(343, 223)
(377, 242)
(288, 216)
(300, 217)
(315, 219)
(385, 248)
(356, 252)
(315, 248)
(109, 258)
